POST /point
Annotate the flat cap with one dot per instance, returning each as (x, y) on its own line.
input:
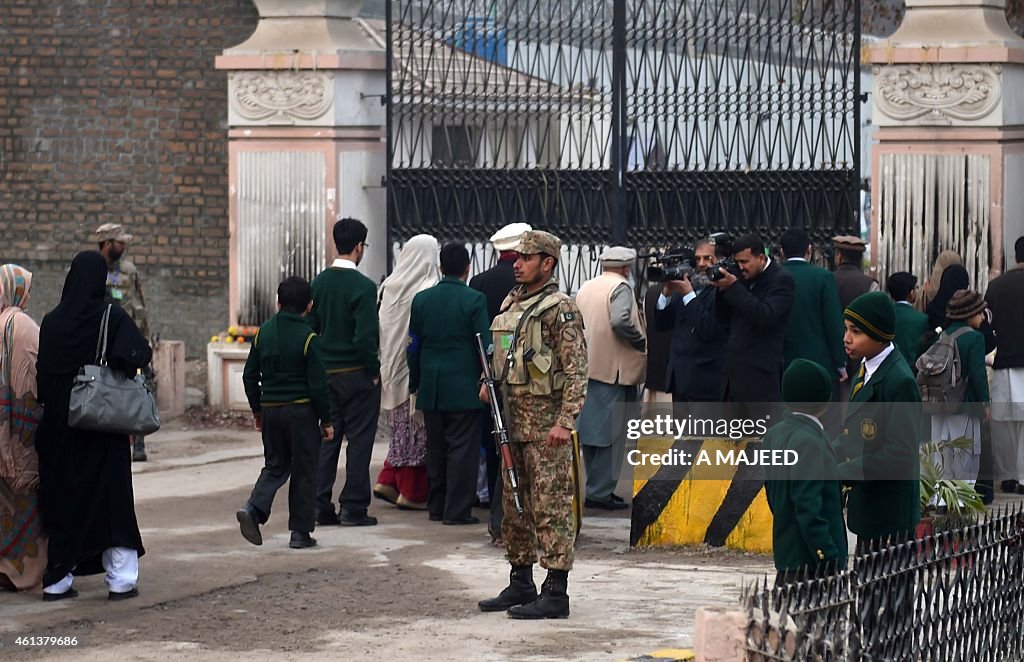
(506, 238)
(848, 242)
(618, 256)
(112, 232)
(538, 241)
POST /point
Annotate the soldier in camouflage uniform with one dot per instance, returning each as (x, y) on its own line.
(125, 289)
(540, 357)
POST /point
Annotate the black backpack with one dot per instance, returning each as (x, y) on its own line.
(940, 374)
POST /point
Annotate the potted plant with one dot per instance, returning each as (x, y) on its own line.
(947, 505)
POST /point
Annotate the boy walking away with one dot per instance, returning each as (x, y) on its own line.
(287, 390)
(808, 532)
(345, 315)
(911, 325)
(882, 428)
(954, 384)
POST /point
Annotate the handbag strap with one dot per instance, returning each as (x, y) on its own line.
(101, 341)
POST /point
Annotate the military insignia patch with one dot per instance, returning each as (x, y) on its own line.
(868, 429)
(568, 317)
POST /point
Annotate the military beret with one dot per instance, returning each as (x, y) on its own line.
(806, 381)
(848, 242)
(112, 232)
(506, 238)
(618, 256)
(874, 314)
(538, 241)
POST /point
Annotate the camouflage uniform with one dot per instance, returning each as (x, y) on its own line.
(545, 471)
(125, 289)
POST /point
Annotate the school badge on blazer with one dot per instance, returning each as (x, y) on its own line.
(868, 429)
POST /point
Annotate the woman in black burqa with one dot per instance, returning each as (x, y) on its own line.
(85, 478)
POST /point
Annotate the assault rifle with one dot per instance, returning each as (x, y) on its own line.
(501, 440)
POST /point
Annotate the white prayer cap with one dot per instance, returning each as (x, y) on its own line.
(618, 256)
(507, 238)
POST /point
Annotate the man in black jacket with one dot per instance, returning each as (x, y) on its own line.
(695, 371)
(757, 310)
(496, 283)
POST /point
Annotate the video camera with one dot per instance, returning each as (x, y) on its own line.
(675, 264)
(722, 241)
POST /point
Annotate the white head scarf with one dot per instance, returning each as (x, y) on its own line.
(415, 271)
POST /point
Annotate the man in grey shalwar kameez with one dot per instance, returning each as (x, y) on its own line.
(616, 348)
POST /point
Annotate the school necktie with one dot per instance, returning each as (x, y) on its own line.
(859, 382)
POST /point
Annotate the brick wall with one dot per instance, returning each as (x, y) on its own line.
(112, 112)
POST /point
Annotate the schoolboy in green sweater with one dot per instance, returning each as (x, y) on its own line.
(808, 532)
(345, 316)
(286, 387)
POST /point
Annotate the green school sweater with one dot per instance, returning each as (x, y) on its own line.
(284, 367)
(345, 317)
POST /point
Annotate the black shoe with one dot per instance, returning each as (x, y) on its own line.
(436, 518)
(606, 504)
(126, 595)
(357, 520)
(301, 540)
(1008, 486)
(615, 498)
(520, 590)
(553, 601)
(328, 519)
(139, 450)
(984, 489)
(66, 595)
(249, 525)
(465, 520)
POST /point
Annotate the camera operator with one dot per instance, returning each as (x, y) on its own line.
(696, 361)
(756, 296)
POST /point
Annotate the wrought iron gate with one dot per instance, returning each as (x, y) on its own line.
(650, 121)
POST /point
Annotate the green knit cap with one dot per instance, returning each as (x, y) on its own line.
(874, 314)
(806, 381)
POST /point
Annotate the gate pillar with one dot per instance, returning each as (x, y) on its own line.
(305, 147)
(948, 166)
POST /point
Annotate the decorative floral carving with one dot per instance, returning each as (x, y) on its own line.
(281, 95)
(937, 93)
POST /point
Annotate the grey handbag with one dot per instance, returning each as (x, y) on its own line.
(103, 400)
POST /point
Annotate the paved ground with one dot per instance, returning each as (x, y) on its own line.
(405, 589)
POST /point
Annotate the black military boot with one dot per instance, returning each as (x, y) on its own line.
(520, 590)
(553, 601)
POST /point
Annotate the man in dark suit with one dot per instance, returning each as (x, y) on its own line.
(444, 370)
(815, 329)
(757, 310)
(695, 370)
(496, 283)
(851, 281)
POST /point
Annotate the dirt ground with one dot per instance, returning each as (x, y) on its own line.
(405, 589)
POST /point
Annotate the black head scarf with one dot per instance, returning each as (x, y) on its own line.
(69, 333)
(954, 278)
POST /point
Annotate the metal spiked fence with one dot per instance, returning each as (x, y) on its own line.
(955, 595)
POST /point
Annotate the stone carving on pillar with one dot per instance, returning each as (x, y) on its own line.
(937, 93)
(281, 96)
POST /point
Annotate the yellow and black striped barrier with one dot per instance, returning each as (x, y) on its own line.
(722, 506)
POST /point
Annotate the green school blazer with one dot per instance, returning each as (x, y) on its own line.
(444, 366)
(806, 502)
(911, 333)
(815, 329)
(879, 448)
